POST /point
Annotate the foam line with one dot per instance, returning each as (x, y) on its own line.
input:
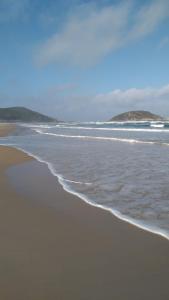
(37, 126)
(154, 128)
(115, 129)
(114, 212)
(157, 125)
(78, 182)
(88, 137)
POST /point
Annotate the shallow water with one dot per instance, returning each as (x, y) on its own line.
(122, 167)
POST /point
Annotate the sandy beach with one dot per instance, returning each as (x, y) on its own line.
(5, 129)
(54, 246)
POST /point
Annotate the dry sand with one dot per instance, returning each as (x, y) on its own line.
(56, 247)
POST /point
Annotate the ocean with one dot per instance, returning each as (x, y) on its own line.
(122, 167)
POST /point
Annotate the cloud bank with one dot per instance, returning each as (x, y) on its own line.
(65, 103)
(93, 32)
(104, 106)
(117, 101)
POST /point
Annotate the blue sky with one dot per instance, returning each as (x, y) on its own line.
(85, 60)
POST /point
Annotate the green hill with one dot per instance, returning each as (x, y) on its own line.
(22, 114)
(138, 115)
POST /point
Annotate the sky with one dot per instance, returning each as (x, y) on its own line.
(85, 60)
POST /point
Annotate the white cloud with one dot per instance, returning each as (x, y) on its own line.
(133, 95)
(92, 33)
(74, 106)
(86, 38)
(148, 18)
(155, 99)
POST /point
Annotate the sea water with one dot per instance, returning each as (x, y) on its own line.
(120, 166)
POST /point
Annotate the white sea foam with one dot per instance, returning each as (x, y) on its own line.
(157, 125)
(78, 182)
(116, 129)
(37, 125)
(114, 212)
(117, 122)
(154, 126)
(88, 137)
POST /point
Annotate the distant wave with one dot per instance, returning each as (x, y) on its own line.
(157, 125)
(122, 122)
(114, 129)
(37, 126)
(153, 126)
(88, 137)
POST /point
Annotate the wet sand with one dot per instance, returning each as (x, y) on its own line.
(55, 246)
(6, 128)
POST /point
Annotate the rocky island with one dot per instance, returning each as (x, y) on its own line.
(138, 115)
(22, 114)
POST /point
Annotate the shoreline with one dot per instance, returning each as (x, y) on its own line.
(113, 212)
(7, 128)
(55, 246)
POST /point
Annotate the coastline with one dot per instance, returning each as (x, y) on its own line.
(113, 212)
(55, 246)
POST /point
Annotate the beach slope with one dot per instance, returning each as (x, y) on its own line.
(54, 246)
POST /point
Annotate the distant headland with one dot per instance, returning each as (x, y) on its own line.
(22, 114)
(138, 115)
